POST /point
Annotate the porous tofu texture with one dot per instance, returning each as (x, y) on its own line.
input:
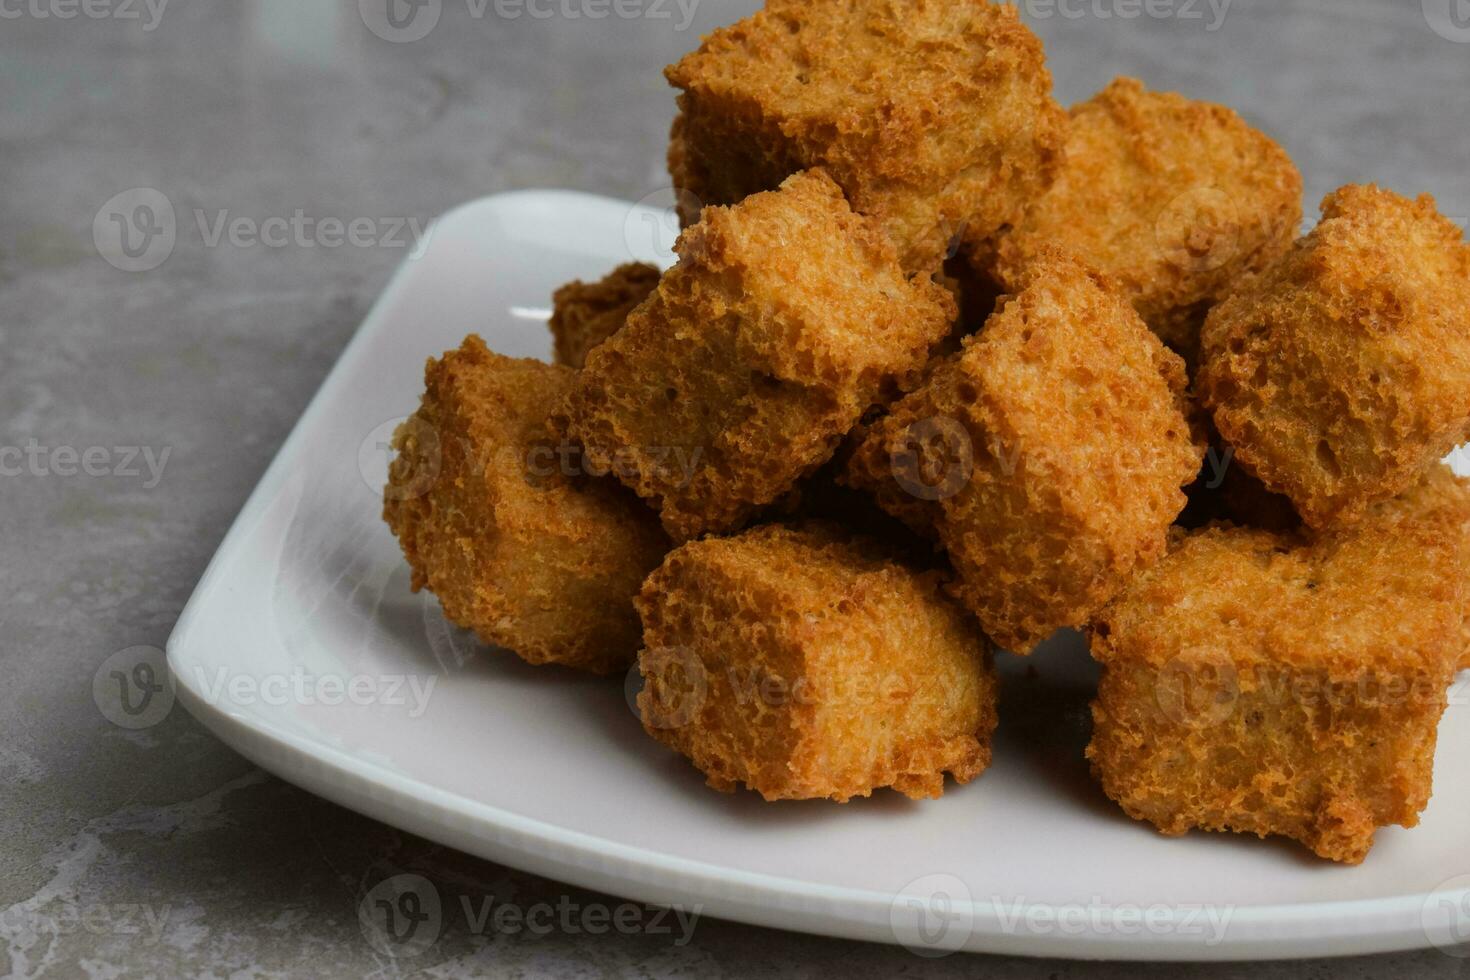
(807, 663)
(1440, 502)
(785, 319)
(1342, 374)
(584, 314)
(1047, 457)
(502, 525)
(935, 116)
(1256, 684)
(1172, 198)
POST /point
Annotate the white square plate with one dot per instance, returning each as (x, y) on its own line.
(549, 771)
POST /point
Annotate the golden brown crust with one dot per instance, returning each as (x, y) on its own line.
(1175, 200)
(689, 184)
(499, 522)
(1255, 683)
(935, 116)
(1047, 456)
(807, 663)
(786, 318)
(1441, 503)
(1342, 373)
(584, 314)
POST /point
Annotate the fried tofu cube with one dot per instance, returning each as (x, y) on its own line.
(1255, 684)
(935, 116)
(1342, 373)
(806, 663)
(503, 525)
(584, 314)
(1440, 502)
(785, 319)
(1175, 200)
(1047, 457)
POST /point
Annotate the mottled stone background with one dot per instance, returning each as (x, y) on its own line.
(130, 853)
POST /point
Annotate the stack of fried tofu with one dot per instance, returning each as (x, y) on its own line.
(943, 367)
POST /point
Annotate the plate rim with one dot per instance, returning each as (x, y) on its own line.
(1260, 932)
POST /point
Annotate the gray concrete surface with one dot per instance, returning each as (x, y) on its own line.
(161, 852)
